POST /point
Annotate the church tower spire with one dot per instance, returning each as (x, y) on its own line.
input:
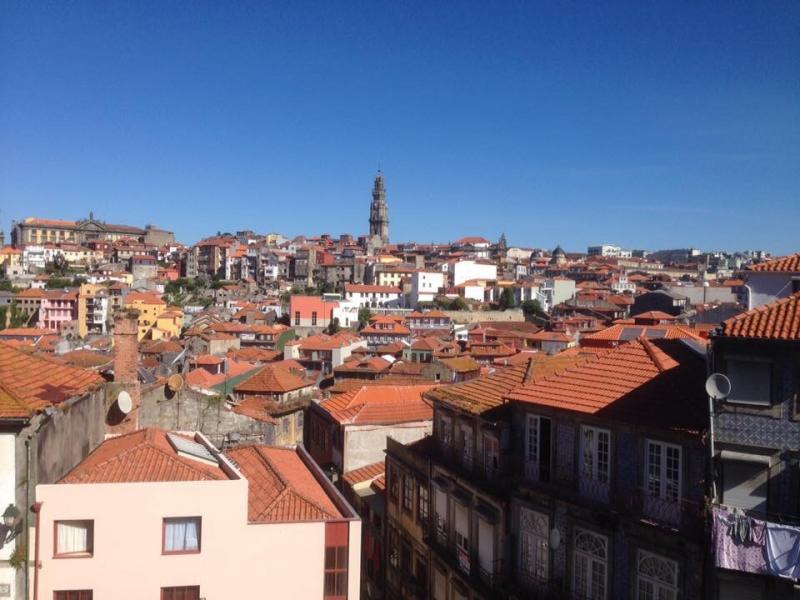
(379, 212)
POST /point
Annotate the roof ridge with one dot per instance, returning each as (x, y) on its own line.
(650, 348)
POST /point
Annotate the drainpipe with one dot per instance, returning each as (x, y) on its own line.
(749, 297)
(37, 508)
(27, 515)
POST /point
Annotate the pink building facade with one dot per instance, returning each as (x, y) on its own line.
(58, 308)
(162, 515)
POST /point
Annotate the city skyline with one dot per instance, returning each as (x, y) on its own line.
(645, 127)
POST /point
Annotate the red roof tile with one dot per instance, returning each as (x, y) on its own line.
(281, 487)
(380, 405)
(273, 378)
(364, 474)
(39, 382)
(658, 382)
(785, 264)
(779, 320)
(143, 455)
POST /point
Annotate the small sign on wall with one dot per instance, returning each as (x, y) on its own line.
(5, 590)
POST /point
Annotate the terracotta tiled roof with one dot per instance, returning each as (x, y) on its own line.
(160, 346)
(143, 455)
(364, 474)
(23, 332)
(778, 320)
(254, 354)
(626, 331)
(328, 342)
(39, 382)
(655, 314)
(11, 408)
(375, 364)
(397, 329)
(281, 487)
(460, 364)
(785, 264)
(257, 407)
(484, 392)
(273, 378)
(658, 382)
(87, 359)
(380, 405)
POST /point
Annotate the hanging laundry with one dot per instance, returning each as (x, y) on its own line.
(732, 548)
(783, 550)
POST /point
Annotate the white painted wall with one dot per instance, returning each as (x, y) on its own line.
(7, 484)
(365, 444)
(464, 270)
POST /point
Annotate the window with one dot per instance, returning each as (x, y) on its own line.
(336, 551)
(538, 448)
(445, 430)
(297, 317)
(73, 595)
(313, 318)
(394, 486)
(184, 592)
(462, 535)
(595, 463)
(181, 535)
(590, 565)
(663, 474)
(486, 549)
(422, 503)
(491, 456)
(408, 493)
(656, 577)
(440, 508)
(466, 446)
(74, 538)
(745, 484)
(534, 541)
(751, 381)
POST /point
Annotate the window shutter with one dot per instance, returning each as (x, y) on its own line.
(486, 545)
(745, 484)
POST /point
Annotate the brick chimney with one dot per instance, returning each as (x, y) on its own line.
(126, 377)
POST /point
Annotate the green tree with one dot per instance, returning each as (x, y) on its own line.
(458, 304)
(12, 316)
(507, 299)
(6, 285)
(333, 326)
(533, 309)
(364, 315)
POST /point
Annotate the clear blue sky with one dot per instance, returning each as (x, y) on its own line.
(648, 124)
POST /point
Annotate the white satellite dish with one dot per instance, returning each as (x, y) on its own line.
(718, 386)
(124, 402)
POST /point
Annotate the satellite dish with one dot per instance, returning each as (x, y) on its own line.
(718, 386)
(124, 402)
(555, 538)
(175, 383)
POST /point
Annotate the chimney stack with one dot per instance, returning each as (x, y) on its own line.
(126, 376)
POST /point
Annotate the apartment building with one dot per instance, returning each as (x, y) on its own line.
(756, 445)
(157, 514)
(575, 477)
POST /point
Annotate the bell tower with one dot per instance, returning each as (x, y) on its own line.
(379, 212)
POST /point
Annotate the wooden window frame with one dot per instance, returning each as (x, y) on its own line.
(69, 594)
(60, 555)
(166, 552)
(171, 589)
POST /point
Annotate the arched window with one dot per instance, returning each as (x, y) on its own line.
(590, 565)
(657, 577)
